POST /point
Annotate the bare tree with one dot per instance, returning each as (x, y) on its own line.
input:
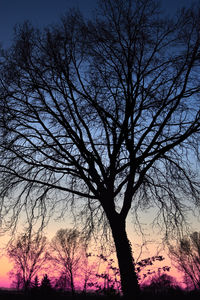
(186, 255)
(28, 254)
(67, 252)
(161, 283)
(17, 280)
(104, 111)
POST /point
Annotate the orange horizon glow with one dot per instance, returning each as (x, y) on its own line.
(5, 268)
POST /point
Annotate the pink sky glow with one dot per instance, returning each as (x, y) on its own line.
(6, 266)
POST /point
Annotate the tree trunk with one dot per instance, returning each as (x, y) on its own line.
(72, 282)
(129, 281)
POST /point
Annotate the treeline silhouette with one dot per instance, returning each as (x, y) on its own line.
(70, 271)
(160, 287)
(71, 265)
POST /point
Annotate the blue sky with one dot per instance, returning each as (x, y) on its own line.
(44, 12)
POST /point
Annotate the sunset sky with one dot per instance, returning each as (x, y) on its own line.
(42, 13)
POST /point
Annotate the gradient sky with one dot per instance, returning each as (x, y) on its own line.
(42, 13)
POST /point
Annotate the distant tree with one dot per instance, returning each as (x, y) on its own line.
(45, 283)
(104, 111)
(17, 280)
(67, 252)
(46, 288)
(36, 283)
(35, 287)
(161, 283)
(186, 256)
(62, 283)
(28, 253)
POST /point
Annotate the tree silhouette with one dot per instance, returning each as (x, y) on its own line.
(29, 255)
(104, 111)
(161, 283)
(46, 283)
(45, 287)
(17, 280)
(186, 256)
(67, 251)
(36, 283)
(62, 283)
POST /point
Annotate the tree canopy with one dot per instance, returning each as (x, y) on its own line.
(29, 255)
(186, 256)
